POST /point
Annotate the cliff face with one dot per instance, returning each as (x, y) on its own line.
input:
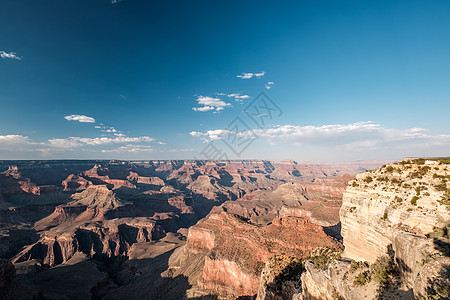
(7, 277)
(400, 210)
(234, 251)
(112, 239)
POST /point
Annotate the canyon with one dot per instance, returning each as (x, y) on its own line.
(218, 229)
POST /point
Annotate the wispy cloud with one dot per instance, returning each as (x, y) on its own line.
(73, 142)
(217, 134)
(358, 136)
(130, 149)
(13, 141)
(210, 103)
(251, 75)
(10, 55)
(269, 85)
(238, 97)
(80, 118)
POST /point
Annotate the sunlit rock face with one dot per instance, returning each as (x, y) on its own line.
(235, 250)
(125, 229)
(400, 210)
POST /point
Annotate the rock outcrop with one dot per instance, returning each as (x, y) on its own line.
(7, 278)
(398, 213)
(233, 251)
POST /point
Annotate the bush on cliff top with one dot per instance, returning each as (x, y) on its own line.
(322, 257)
(445, 199)
(382, 269)
(362, 278)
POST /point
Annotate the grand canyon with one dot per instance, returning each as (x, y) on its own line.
(198, 229)
(224, 150)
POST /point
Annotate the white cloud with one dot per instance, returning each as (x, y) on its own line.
(80, 118)
(130, 149)
(217, 134)
(269, 85)
(358, 136)
(13, 141)
(251, 75)
(204, 108)
(238, 97)
(98, 141)
(11, 55)
(210, 103)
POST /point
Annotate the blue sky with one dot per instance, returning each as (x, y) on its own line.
(130, 79)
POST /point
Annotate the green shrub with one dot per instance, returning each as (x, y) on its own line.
(414, 200)
(355, 265)
(385, 216)
(368, 179)
(396, 181)
(418, 191)
(441, 186)
(419, 161)
(362, 279)
(445, 199)
(389, 169)
(382, 269)
(322, 257)
(355, 184)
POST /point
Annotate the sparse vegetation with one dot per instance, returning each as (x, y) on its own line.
(382, 269)
(368, 179)
(389, 169)
(355, 265)
(441, 186)
(445, 199)
(419, 161)
(414, 200)
(322, 257)
(362, 278)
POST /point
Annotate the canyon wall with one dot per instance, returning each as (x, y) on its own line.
(400, 213)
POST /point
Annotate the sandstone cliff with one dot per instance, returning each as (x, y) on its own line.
(232, 252)
(396, 237)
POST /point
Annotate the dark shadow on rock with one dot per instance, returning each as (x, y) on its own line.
(15, 240)
(143, 279)
(225, 179)
(334, 231)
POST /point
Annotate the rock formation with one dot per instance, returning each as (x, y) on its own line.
(233, 251)
(395, 224)
(115, 229)
(7, 278)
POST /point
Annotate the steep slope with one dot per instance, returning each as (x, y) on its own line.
(395, 228)
(229, 253)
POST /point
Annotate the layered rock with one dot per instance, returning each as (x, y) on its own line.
(7, 278)
(75, 183)
(134, 177)
(112, 238)
(399, 210)
(234, 251)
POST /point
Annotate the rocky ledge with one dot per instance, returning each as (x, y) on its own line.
(395, 228)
